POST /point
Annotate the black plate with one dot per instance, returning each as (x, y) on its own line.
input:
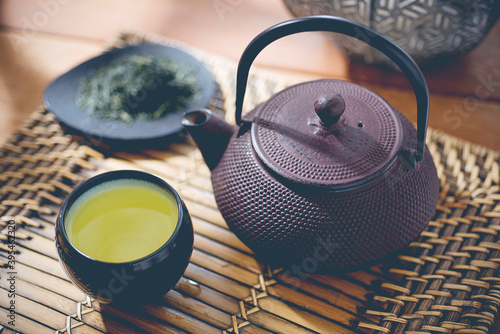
(61, 98)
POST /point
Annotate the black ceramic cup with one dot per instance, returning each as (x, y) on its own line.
(133, 282)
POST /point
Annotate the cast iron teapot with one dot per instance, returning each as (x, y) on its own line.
(325, 174)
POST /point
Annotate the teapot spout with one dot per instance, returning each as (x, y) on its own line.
(210, 133)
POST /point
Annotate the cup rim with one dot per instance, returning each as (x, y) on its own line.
(117, 175)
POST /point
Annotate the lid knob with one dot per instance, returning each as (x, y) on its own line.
(329, 108)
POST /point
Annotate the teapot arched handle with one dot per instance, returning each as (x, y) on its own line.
(349, 28)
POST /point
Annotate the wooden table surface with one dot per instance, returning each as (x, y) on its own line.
(39, 40)
(43, 39)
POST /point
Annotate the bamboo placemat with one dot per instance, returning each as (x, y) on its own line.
(446, 281)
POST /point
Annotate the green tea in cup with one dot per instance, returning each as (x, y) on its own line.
(124, 236)
(122, 220)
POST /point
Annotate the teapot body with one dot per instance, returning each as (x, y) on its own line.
(318, 229)
(325, 174)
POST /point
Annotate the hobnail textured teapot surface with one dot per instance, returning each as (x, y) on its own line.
(296, 135)
(325, 174)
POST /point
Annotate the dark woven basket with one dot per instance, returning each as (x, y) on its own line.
(427, 30)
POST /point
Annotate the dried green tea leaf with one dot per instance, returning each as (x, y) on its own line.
(137, 87)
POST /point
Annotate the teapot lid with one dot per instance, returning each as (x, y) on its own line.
(327, 133)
